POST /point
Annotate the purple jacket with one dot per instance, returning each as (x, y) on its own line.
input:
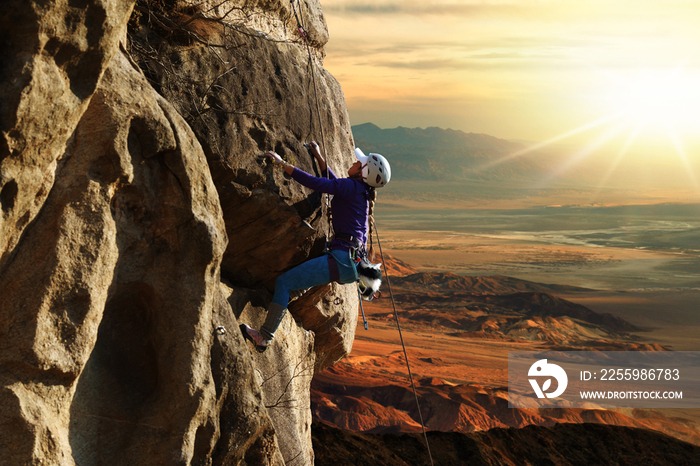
(350, 204)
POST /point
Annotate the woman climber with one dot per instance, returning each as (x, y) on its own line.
(352, 206)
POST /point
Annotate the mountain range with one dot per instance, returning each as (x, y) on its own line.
(435, 154)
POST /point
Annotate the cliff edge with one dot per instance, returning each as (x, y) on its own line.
(139, 225)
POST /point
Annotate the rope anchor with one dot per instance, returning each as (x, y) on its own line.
(300, 28)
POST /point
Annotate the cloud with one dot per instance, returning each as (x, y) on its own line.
(354, 8)
(650, 13)
(364, 9)
(359, 48)
(513, 58)
(546, 10)
(491, 61)
(438, 64)
(499, 53)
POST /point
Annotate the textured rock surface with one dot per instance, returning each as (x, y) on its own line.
(253, 95)
(127, 199)
(53, 55)
(256, 94)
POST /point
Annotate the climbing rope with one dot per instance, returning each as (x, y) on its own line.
(305, 36)
(403, 345)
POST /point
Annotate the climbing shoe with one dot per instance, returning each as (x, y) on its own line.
(254, 336)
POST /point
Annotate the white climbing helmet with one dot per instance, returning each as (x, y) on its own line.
(376, 170)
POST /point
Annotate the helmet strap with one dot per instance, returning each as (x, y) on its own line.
(362, 169)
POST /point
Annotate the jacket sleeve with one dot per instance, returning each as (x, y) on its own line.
(332, 185)
(328, 172)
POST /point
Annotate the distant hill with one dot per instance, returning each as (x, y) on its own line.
(496, 295)
(447, 282)
(435, 154)
(394, 266)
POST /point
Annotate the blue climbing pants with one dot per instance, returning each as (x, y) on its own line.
(311, 273)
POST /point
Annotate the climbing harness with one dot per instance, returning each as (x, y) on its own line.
(405, 354)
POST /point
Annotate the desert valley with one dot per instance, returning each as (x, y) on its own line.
(472, 284)
(143, 227)
(458, 331)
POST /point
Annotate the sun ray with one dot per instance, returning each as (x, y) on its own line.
(678, 144)
(548, 142)
(620, 155)
(578, 156)
(644, 104)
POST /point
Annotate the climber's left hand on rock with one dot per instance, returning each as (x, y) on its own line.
(274, 157)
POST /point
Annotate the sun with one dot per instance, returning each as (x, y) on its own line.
(657, 100)
(644, 113)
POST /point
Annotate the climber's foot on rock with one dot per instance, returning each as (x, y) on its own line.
(253, 335)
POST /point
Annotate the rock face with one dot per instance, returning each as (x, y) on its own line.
(139, 227)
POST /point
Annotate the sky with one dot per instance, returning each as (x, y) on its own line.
(623, 74)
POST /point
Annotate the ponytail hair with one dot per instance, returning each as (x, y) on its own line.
(372, 196)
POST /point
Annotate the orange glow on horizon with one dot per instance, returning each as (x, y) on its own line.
(621, 80)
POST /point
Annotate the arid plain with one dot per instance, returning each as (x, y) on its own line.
(458, 333)
(618, 278)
